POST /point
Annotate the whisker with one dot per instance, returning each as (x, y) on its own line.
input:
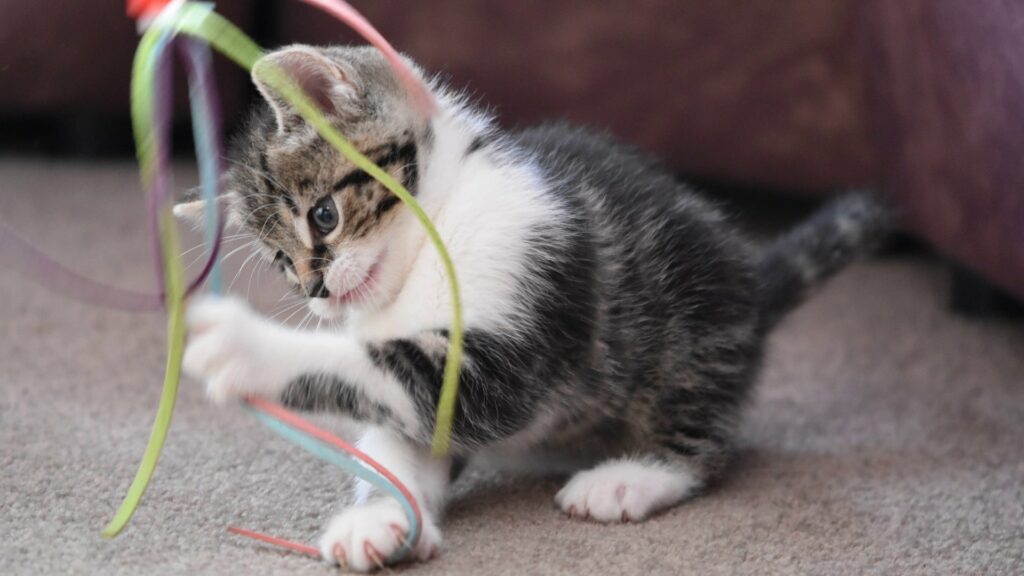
(239, 249)
(240, 269)
(257, 270)
(285, 295)
(285, 321)
(286, 307)
(202, 244)
(290, 307)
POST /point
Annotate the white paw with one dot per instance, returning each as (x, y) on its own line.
(231, 349)
(624, 491)
(366, 537)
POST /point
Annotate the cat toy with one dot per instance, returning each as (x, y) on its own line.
(192, 28)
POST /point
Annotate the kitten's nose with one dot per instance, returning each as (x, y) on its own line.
(316, 289)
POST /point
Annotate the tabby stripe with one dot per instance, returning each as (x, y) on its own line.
(477, 143)
(405, 153)
(354, 178)
(384, 205)
(325, 392)
(683, 449)
(493, 402)
(409, 363)
(265, 168)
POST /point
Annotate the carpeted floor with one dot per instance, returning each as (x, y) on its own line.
(886, 436)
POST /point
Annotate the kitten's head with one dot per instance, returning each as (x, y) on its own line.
(325, 223)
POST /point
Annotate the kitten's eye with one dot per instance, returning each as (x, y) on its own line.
(325, 215)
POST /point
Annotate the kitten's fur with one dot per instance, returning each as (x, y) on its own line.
(614, 320)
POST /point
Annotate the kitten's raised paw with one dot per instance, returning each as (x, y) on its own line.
(366, 537)
(230, 349)
(624, 491)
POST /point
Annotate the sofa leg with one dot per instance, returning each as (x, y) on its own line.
(972, 295)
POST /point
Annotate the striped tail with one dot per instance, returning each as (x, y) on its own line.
(795, 264)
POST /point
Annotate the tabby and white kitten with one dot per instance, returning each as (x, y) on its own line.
(614, 320)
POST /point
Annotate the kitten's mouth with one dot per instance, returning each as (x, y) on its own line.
(358, 293)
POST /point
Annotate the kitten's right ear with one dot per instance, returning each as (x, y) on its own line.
(192, 208)
(322, 79)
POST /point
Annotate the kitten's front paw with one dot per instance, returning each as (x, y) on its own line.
(231, 349)
(624, 491)
(365, 537)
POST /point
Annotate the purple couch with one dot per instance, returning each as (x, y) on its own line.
(921, 98)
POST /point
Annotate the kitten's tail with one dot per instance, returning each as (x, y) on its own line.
(799, 261)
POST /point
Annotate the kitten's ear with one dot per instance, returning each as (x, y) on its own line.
(321, 79)
(192, 208)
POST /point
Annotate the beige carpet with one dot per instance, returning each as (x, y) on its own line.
(887, 437)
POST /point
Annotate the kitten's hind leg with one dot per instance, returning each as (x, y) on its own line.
(629, 489)
(688, 439)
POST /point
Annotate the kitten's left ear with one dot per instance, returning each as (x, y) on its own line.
(318, 76)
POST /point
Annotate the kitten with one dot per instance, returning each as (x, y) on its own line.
(614, 320)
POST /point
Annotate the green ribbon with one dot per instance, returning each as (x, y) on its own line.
(200, 21)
